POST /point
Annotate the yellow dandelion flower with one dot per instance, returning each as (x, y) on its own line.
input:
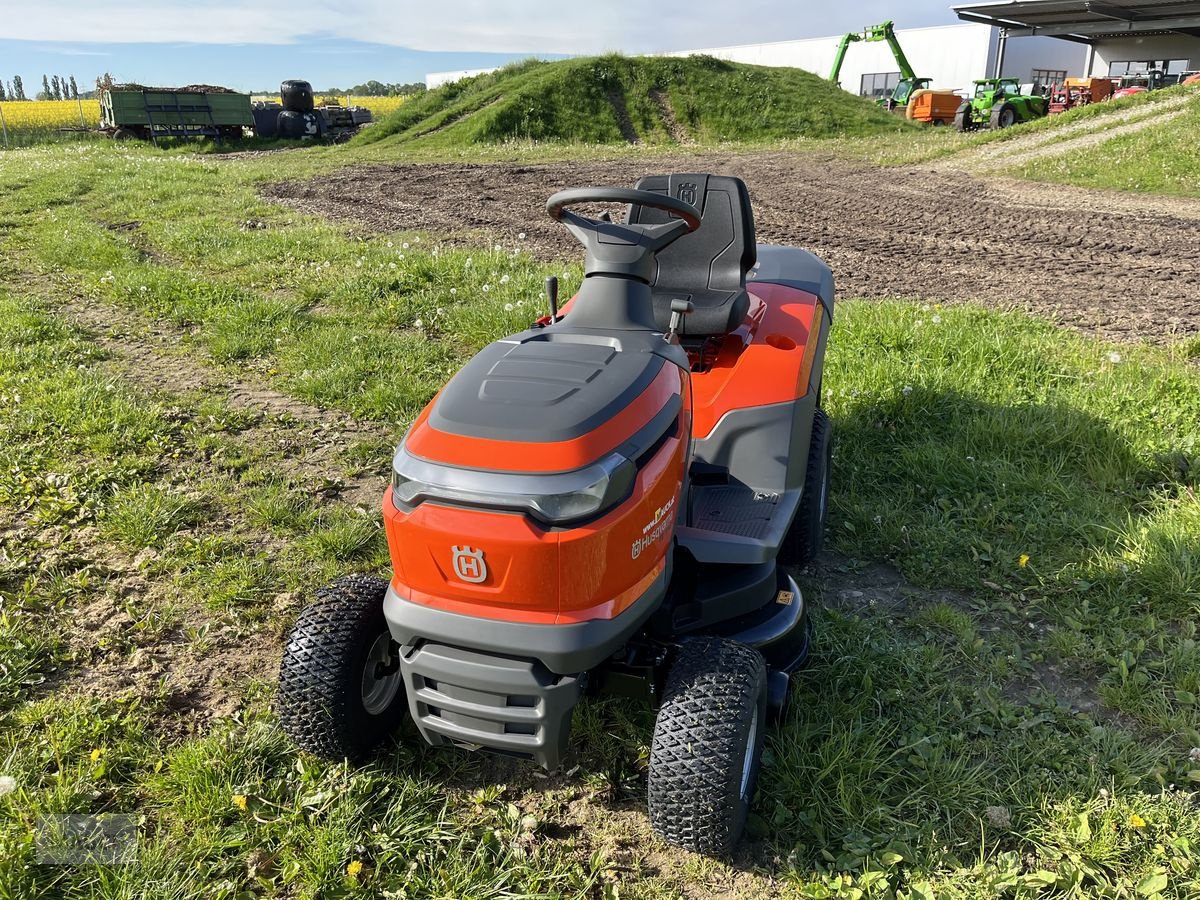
(239, 800)
(1137, 821)
(1023, 560)
(354, 868)
(96, 753)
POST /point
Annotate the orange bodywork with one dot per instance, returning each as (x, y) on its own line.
(768, 359)
(541, 575)
(427, 442)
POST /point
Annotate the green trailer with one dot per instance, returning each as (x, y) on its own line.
(151, 113)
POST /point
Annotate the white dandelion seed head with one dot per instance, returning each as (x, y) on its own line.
(508, 307)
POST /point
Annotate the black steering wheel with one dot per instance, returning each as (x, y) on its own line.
(620, 249)
(570, 197)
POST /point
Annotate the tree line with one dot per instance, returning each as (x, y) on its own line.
(53, 88)
(379, 89)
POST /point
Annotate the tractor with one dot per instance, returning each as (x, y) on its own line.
(897, 100)
(999, 103)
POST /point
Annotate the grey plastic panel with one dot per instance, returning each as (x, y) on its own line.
(765, 450)
(763, 447)
(536, 390)
(796, 268)
(733, 509)
(565, 649)
(480, 701)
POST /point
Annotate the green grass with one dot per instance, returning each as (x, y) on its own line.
(574, 101)
(1036, 489)
(1160, 159)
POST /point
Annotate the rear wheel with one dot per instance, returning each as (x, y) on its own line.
(340, 687)
(707, 746)
(125, 134)
(807, 534)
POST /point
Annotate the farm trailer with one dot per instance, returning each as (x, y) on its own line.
(150, 114)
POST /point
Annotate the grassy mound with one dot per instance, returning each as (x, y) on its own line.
(616, 99)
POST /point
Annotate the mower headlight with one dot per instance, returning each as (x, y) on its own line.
(554, 499)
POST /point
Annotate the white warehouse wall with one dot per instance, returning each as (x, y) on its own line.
(1156, 47)
(437, 79)
(1024, 54)
(952, 55)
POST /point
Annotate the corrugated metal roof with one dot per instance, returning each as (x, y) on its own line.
(1088, 20)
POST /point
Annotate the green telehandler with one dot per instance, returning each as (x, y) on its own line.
(999, 103)
(909, 82)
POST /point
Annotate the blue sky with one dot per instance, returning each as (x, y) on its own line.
(257, 43)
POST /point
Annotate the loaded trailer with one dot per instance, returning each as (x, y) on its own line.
(134, 111)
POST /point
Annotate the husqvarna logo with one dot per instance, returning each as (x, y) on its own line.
(469, 565)
(687, 192)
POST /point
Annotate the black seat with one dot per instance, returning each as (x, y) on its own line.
(709, 265)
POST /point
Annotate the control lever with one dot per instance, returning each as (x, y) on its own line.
(679, 309)
(552, 296)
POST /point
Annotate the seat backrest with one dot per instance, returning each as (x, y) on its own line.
(712, 260)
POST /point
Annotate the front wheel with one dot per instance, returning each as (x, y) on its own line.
(963, 120)
(340, 686)
(1004, 116)
(707, 745)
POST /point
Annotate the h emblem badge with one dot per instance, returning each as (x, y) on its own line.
(469, 565)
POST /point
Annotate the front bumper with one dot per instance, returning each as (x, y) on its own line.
(475, 701)
(507, 687)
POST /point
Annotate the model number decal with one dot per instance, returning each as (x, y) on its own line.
(654, 530)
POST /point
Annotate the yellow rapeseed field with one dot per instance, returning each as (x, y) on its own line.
(48, 115)
(379, 106)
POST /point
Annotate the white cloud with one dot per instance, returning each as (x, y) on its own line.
(502, 26)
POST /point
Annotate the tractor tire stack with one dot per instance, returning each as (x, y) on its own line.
(298, 120)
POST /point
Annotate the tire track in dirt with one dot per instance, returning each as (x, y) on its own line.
(1117, 265)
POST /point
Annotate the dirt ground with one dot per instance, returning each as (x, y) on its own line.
(1119, 265)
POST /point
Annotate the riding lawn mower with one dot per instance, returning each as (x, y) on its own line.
(605, 502)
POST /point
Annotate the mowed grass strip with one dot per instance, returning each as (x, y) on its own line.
(1037, 489)
(1160, 159)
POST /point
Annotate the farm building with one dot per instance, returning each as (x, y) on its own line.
(1119, 37)
(952, 55)
(1039, 42)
